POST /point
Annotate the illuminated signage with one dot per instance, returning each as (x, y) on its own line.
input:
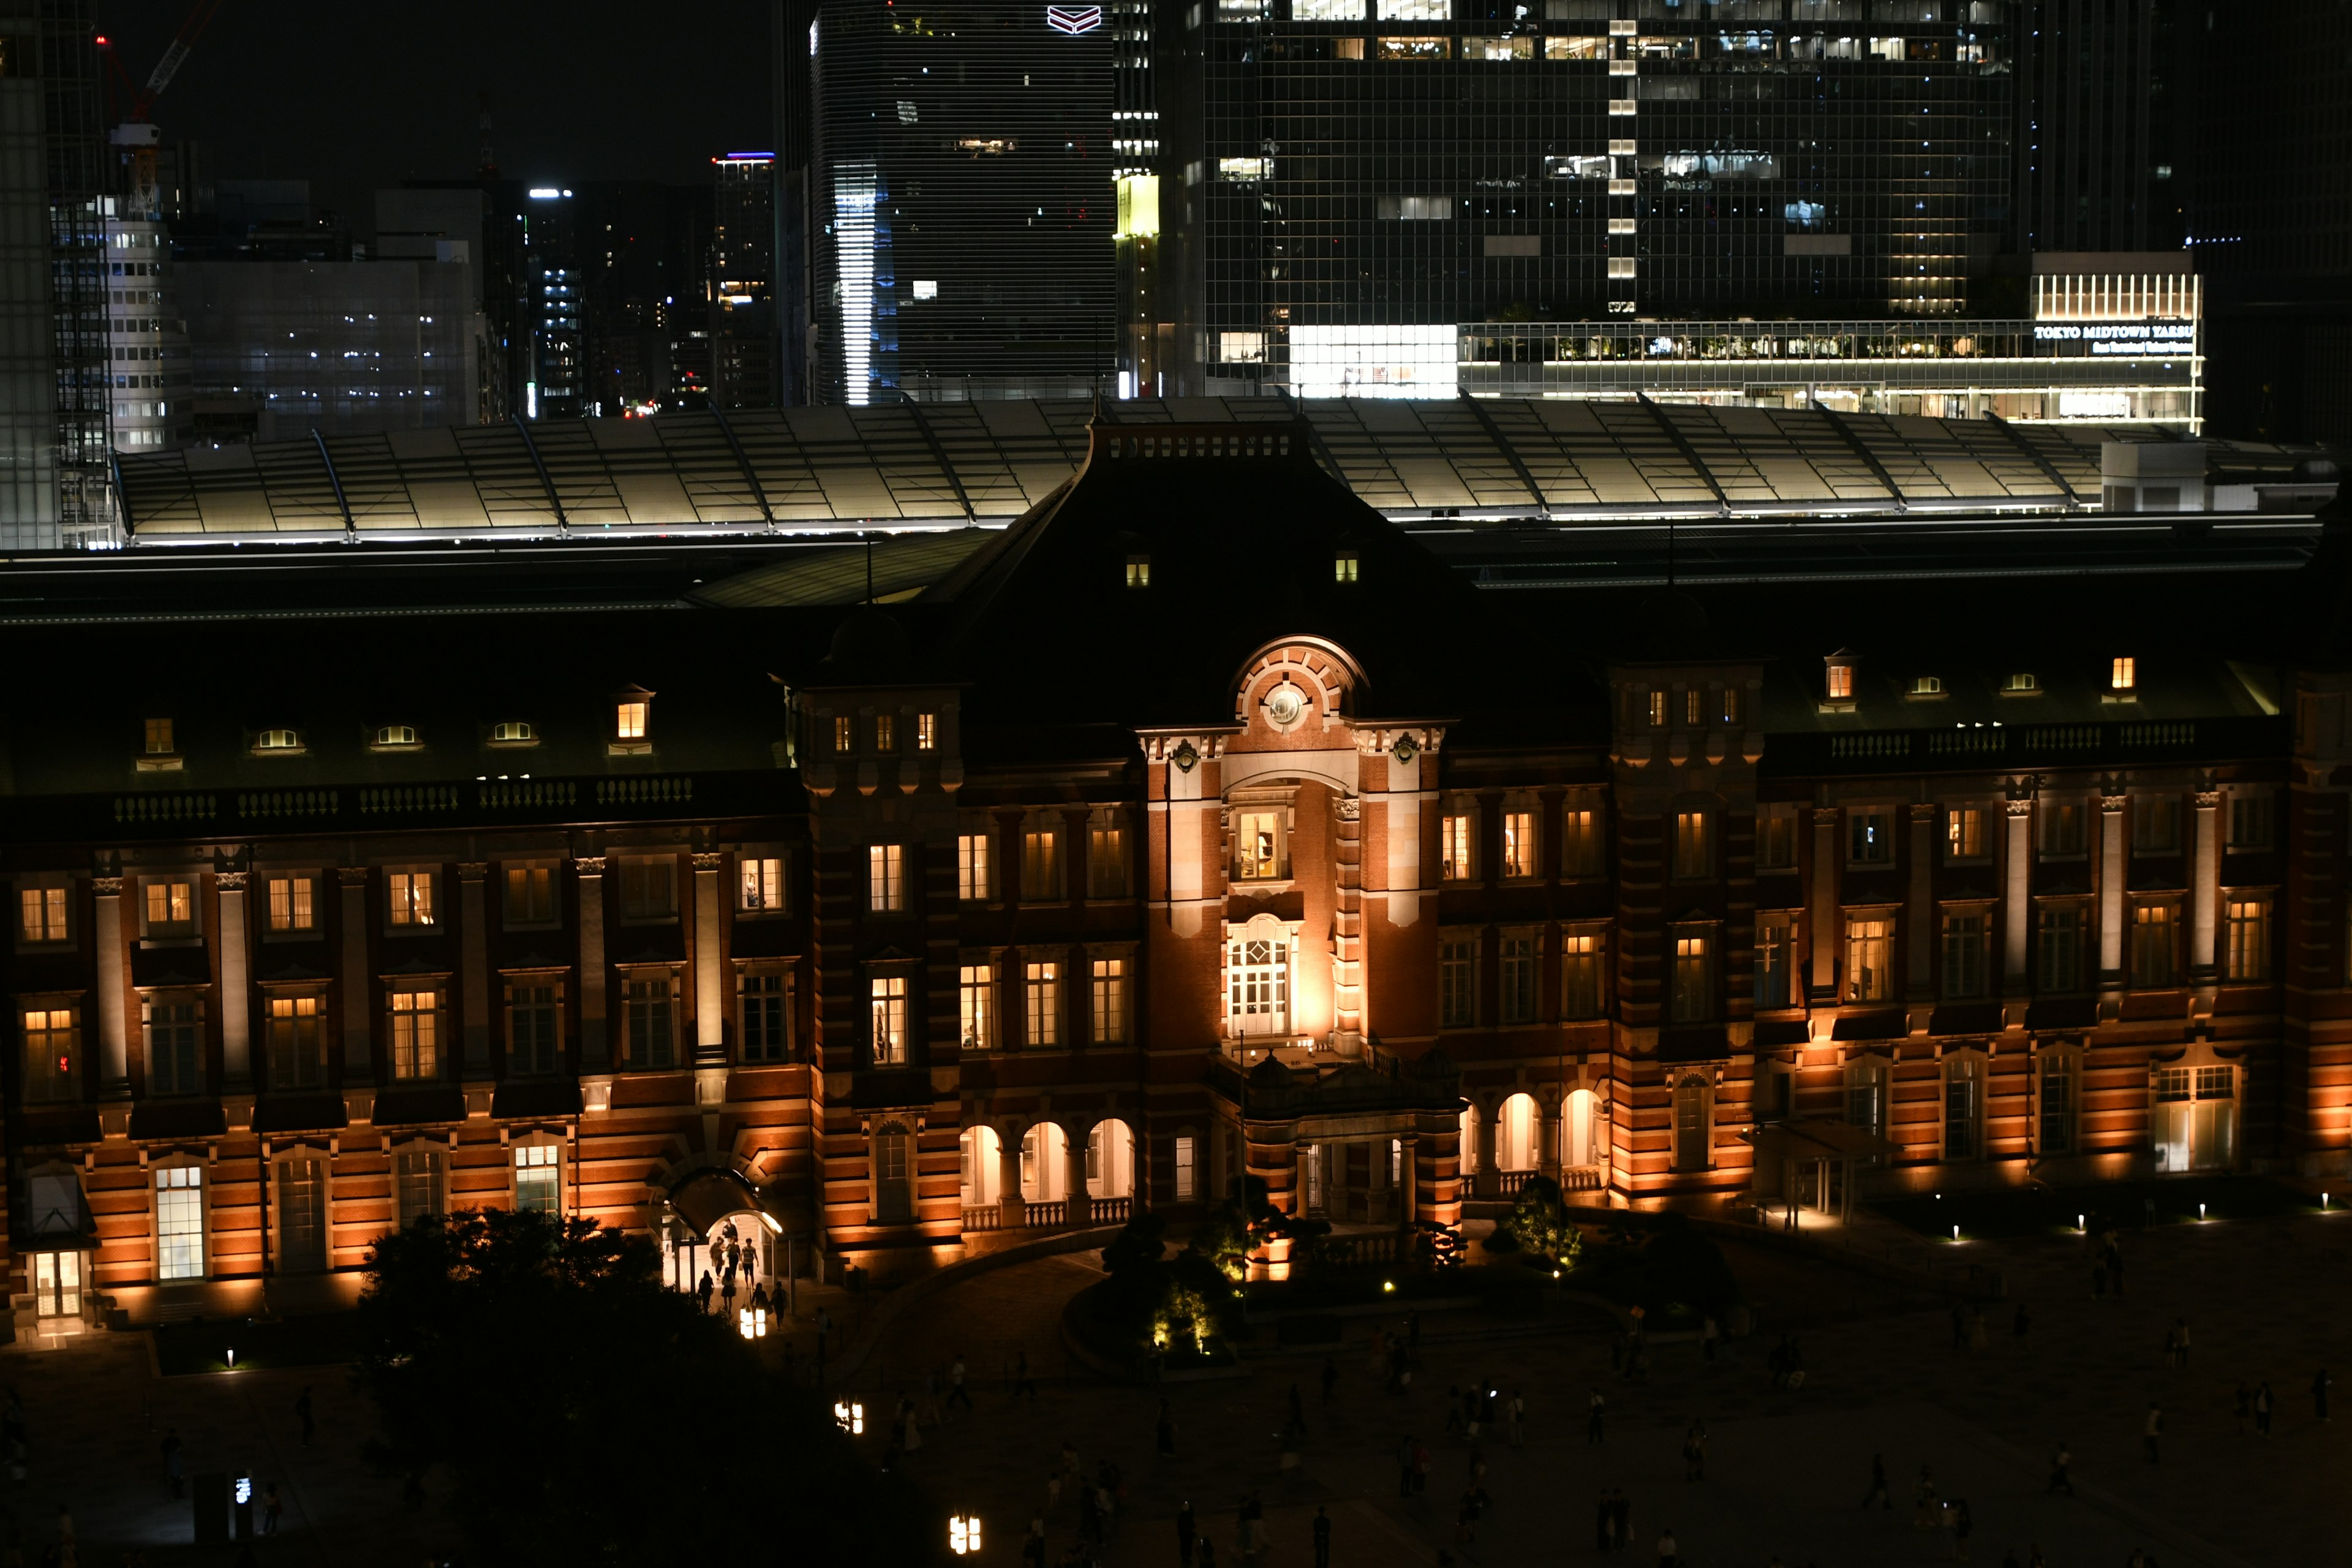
(2141, 338)
(1074, 19)
(244, 1490)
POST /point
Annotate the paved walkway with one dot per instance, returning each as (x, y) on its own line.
(1785, 1471)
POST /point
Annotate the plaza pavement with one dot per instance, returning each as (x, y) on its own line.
(1785, 1471)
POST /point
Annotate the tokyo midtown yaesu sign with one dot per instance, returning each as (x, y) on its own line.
(1074, 19)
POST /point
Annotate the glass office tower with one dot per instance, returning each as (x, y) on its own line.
(1346, 182)
(962, 201)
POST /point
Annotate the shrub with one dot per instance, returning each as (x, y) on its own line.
(1539, 1225)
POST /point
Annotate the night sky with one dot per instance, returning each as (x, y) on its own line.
(355, 94)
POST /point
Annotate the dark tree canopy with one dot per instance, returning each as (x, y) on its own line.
(588, 1415)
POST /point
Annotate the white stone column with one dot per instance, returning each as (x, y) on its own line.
(358, 988)
(236, 981)
(595, 1054)
(474, 974)
(1490, 1180)
(2112, 851)
(1010, 1204)
(2017, 901)
(709, 968)
(2205, 880)
(1073, 1165)
(1823, 985)
(113, 999)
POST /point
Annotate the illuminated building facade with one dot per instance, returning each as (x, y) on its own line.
(961, 202)
(1200, 825)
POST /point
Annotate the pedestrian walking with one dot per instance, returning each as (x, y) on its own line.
(2263, 1410)
(2181, 1343)
(1694, 1451)
(2319, 1393)
(1465, 1518)
(1667, 1552)
(702, 1293)
(302, 1413)
(1926, 1512)
(1596, 1411)
(1878, 1491)
(1963, 1526)
(2150, 1431)
(2060, 1464)
(1185, 1527)
(1707, 1338)
(174, 1462)
(1322, 1537)
(272, 1510)
(957, 1393)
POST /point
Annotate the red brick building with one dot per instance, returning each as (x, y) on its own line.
(1201, 822)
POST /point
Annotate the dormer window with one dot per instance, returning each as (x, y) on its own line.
(159, 737)
(632, 722)
(1839, 687)
(1927, 686)
(1344, 566)
(392, 736)
(2123, 673)
(282, 742)
(2021, 681)
(844, 732)
(927, 731)
(1138, 571)
(512, 732)
(629, 721)
(886, 731)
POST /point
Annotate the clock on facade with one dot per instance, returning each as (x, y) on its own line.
(1285, 704)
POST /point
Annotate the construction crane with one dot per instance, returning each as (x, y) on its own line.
(134, 132)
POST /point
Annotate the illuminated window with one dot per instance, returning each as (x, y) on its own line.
(1841, 682)
(1657, 709)
(538, 1178)
(1188, 1159)
(973, 882)
(1964, 832)
(1871, 832)
(415, 1035)
(292, 906)
(1579, 843)
(2249, 954)
(1257, 846)
(1344, 566)
(179, 1223)
(410, 895)
(1138, 571)
(2152, 960)
(1579, 972)
(1041, 866)
(171, 907)
(844, 732)
(2123, 674)
(1693, 708)
(1519, 845)
(2021, 681)
(1927, 686)
(1457, 836)
(1110, 1001)
(1692, 853)
(629, 720)
(1776, 956)
(1869, 946)
(1257, 983)
(1106, 854)
(887, 1006)
(886, 731)
(530, 895)
(976, 1007)
(927, 731)
(760, 880)
(1042, 1003)
(396, 735)
(41, 914)
(512, 732)
(1730, 705)
(534, 1027)
(886, 877)
(159, 737)
(277, 740)
(52, 1054)
(296, 1060)
(1691, 998)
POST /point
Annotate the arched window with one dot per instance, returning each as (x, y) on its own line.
(1110, 1160)
(894, 1197)
(1580, 1129)
(981, 1150)
(1518, 1134)
(1257, 977)
(1044, 1164)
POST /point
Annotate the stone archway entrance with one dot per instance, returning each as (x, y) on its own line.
(718, 1228)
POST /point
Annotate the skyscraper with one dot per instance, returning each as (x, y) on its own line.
(744, 372)
(552, 290)
(962, 201)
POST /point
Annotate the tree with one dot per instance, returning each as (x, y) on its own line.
(1539, 1224)
(588, 1415)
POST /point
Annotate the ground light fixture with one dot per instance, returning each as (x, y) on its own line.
(752, 1323)
(850, 1418)
(963, 1534)
(1955, 1233)
(2200, 1213)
